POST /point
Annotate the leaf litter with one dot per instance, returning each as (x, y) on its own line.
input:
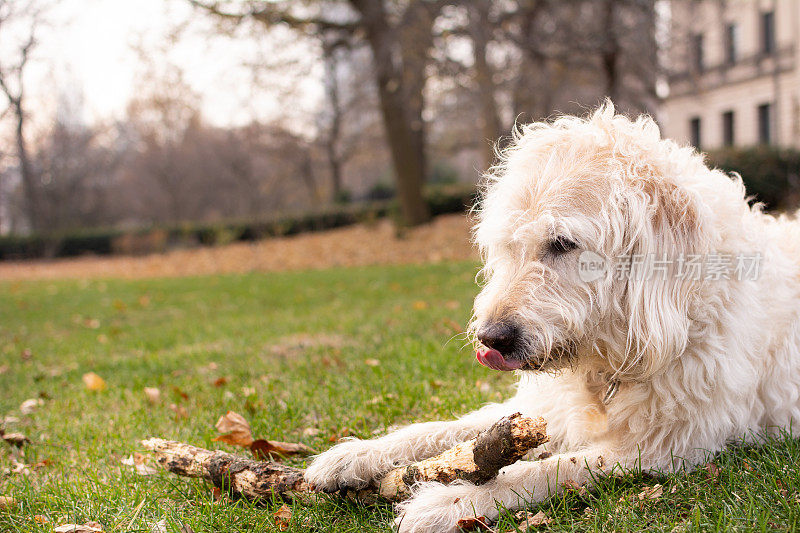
(235, 430)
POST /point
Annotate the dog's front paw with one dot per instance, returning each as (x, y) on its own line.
(438, 507)
(353, 464)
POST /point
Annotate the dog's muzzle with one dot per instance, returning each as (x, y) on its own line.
(502, 341)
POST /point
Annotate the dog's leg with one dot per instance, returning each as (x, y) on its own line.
(438, 507)
(355, 463)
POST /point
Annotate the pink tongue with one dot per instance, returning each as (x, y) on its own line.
(493, 359)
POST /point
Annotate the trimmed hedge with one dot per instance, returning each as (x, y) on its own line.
(771, 175)
(441, 199)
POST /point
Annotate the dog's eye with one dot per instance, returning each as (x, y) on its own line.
(561, 245)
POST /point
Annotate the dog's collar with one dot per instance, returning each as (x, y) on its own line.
(613, 387)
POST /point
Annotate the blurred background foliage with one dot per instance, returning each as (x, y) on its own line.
(414, 99)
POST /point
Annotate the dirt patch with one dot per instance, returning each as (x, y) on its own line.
(445, 239)
(299, 344)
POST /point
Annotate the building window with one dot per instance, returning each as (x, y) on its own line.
(731, 43)
(768, 32)
(697, 52)
(694, 131)
(727, 128)
(764, 123)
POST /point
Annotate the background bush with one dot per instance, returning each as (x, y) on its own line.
(442, 199)
(771, 175)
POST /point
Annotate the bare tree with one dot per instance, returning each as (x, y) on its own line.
(20, 20)
(481, 28)
(349, 120)
(332, 138)
(400, 37)
(75, 171)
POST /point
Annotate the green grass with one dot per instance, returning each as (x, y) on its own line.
(293, 348)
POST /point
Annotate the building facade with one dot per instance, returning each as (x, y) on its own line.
(734, 73)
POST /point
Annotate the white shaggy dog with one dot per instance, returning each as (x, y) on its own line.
(634, 365)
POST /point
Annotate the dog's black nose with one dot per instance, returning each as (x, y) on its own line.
(499, 336)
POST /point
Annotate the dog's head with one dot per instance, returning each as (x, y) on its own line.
(564, 223)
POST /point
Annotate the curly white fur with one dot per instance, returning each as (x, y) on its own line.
(700, 363)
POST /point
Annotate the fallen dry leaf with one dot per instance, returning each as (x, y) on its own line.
(344, 432)
(179, 410)
(283, 517)
(474, 523)
(186, 528)
(14, 439)
(483, 386)
(41, 464)
(452, 326)
(265, 449)
(220, 381)
(371, 362)
(94, 382)
(140, 463)
(651, 493)
(40, 519)
(153, 394)
(310, 432)
(17, 468)
(6, 502)
(159, 527)
(178, 392)
(573, 486)
(235, 430)
(88, 527)
(534, 520)
(712, 471)
(217, 495)
(29, 406)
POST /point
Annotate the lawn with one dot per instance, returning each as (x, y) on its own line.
(306, 357)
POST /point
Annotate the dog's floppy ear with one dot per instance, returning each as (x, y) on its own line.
(666, 230)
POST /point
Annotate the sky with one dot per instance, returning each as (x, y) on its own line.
(89, 47)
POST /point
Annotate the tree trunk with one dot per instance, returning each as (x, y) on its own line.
(399, 68)
(611, 50)
(30, 185)
(490, 120)
(333, 138)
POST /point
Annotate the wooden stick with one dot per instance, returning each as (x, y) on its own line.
(238, 476)
(477, 460)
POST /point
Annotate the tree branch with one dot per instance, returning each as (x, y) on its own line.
(271, 15)
(477, 460)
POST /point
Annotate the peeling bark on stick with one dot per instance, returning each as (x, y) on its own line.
(477, 461)
(239, 477)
